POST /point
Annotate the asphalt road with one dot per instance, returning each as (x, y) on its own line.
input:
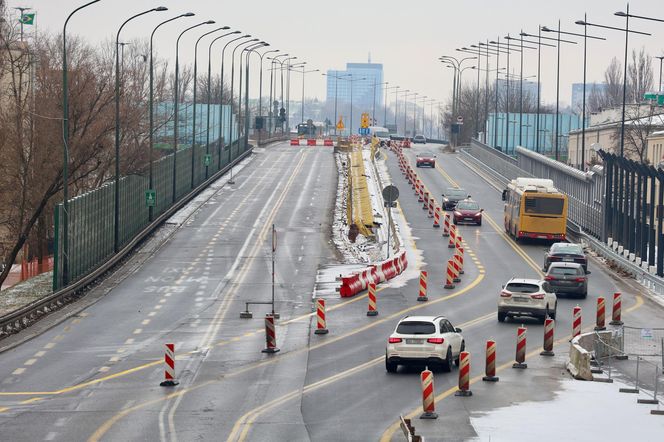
(96, 376)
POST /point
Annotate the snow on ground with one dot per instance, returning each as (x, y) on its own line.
(328, 279)
(25, 292)
(579, 412)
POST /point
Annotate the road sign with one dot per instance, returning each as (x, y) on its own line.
(207, 159)
(363, 131)
(364, 123)
(150, 198)
(340, 124)
(390, 193)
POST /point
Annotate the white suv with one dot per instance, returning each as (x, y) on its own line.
(424, 340)
(527, 297)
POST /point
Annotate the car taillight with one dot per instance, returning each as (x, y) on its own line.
(505, 294)
(580, 279)
(537, 296)
(549, 278)
(435, 340)
(394, 340)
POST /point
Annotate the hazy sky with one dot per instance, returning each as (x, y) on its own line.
(407, 37)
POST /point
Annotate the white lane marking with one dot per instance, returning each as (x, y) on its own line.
(30, 361)
(60, 422)
(40, 353)
(145, 322)
(49, 345)
(104, 369)
(152, 314)
(129, 341)
(18, 371)
(299, 258)
(114, 359)
(51, 435)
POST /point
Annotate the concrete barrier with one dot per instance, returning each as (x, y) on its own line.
(581, 348)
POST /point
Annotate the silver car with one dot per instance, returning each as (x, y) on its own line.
(527, 297)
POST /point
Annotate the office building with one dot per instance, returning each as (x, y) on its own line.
(365, 80)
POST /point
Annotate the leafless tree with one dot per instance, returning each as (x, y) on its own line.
(639, 75)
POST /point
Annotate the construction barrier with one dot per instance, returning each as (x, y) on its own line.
(428, 398)
(520, 348)
(270, 335)
(453, 233)
(432, 203)
(576, 321)
(459, 251)
(425, 200)
(490, 367)
(547, 347)
(295, 142)
(456, 267)
(321, 322)
(458, 240)
(372, 300)
(436, 218)
(383, 271)
(446, 225)
(328, 143)
(599, 321)
(449, 275)
(311, 142)
(615, 315)
(422, 296)
(464, 375)
(418, 190)
(169, 369)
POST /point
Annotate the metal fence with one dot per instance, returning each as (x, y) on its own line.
(91, 215)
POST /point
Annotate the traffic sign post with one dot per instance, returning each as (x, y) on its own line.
(150, 198)
(390, 196)
(340, 124)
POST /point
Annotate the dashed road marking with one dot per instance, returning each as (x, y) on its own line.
(138, 331)
(30, 361)
(18, 371)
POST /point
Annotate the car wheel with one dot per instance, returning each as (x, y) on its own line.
(502, 316)
(584, 295)
(391, 367)
(447, 363)
(463, 348)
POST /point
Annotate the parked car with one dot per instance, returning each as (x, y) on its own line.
(468, 211)
(424, 340)
(419, 139)
(425, 159)
(452, 196)
(527, 297)
(568, 277)
(565, 252)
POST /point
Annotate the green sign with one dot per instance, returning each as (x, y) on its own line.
(648, 96)
(150, 198)
(660, 100)
(27, 19)
(207, 159)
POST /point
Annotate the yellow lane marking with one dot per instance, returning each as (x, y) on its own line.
(30, 361)
(40, 353)
(18, 371)
(30, 401)
(50, 345)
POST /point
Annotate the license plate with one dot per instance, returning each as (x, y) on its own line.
(568, 259)
(413, 341)
(468, 219)
(520, 299)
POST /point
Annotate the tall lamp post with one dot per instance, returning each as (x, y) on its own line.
(232, 126)
(396, 107)
(65, 149)
(303, 72)
(659, 83)
(385, 103)
(336, 83)
(246, 95)
(273, 90)
(116, 219)
(373, 109)
(260, 89)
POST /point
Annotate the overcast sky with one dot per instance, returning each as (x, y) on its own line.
(407, 37)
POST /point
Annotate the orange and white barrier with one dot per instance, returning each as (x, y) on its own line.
(418, 191)
(453, 234)
(422, 296)
(432, 203)
(576, 321)
(357, 281)
(372, 300)
(321, 321)
(459, 251)
(547, 347)
(600, 323)
(446, 225)
(490, 367)
(458, 240)
(169, 367)
(436, 218)
(464, 375)
(270, 335)
(428, 398)
(425, 206)
(520, 348)
(615, 314)
(449, 275)
(311, 142)
(457, 267)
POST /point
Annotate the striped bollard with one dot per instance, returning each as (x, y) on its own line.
(420, 194)
(458, 240)
(413, 184)
(459, 251)
(270, 335)
(457, 267)
(432, 203)
(520, 348)
(490, 369)
(600, 323)
(453, 233)
(547, 347)
(464, 375)
(436, 218)
(449, 278)
(446, 225)
(169, 371)
(428, 406)
(372, 300)
(576, 322)
(425, 205)
(615, 315)
(321, 322)
(423, 287)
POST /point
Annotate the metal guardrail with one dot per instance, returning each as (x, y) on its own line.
(19, 319)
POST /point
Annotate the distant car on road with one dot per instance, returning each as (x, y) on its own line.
(568, 277)
(527, 297)
(424, 340)
(565, 252)
(468, 211)
(419, 139)
(426, 159)
(452, 196)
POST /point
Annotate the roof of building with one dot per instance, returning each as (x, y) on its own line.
(654, 120)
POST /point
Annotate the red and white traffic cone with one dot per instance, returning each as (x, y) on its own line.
(547, 347)
(459, 251)
(372, 300)
(425, 205)
(270, 335)
(520, 348)
(321, 322)
(453, 233)
(414, 182)
(420, 191)
(432, 204)
(458, 240)
(436, 218)
(169, 369)
(576, 322)
(490, 368)
(457, 267)
(423, 287)
(449, 275)
(615, 315)
(428, 398)
(464, 375)
(446, 225)
(601, 309)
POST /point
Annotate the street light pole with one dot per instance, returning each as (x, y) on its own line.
(659, 83)
(260, 89)
(385, 103)
(247, 124)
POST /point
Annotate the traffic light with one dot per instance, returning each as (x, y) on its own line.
(282, 114)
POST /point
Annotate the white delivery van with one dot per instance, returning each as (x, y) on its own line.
(381, 133)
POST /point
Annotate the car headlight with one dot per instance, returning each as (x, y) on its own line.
(445, 199)
(457, 213)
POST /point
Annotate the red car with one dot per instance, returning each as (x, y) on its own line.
(468, 211)
(426, 159)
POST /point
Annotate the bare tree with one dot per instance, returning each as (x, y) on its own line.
(639, 76)
(640, 123)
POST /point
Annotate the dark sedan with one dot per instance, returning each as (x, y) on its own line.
(452, 196)
(565, 252)
(567, 277)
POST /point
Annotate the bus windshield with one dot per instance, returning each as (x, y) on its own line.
(539, 205)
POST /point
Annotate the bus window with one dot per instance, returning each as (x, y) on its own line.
(544, 206)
